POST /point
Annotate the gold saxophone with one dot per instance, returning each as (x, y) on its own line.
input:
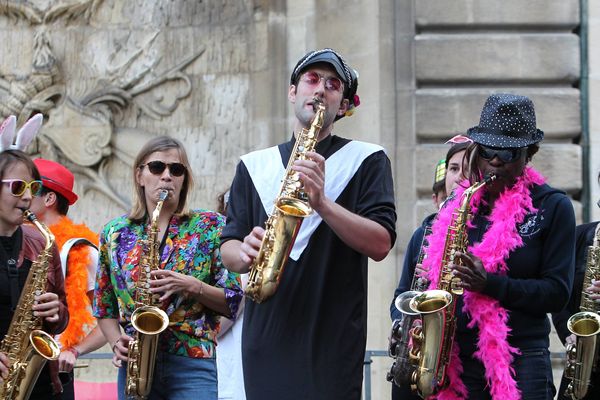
(25, 344)
(281, 228)
(404, 328)
(147, 319)
(432, 343)
(582, 356)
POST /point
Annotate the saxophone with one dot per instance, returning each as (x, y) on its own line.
(405, 327)
(582, 356)
(281, 228)
(432, 343)
(147, 319)
(25, 344)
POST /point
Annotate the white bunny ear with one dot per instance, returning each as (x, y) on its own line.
(7, 132)
(28, 131)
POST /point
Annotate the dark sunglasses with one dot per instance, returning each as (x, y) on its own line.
(158, 167)
(331, 83)
(19, 186)
(507, 155)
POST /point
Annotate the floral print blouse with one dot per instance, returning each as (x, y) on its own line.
(191, 247)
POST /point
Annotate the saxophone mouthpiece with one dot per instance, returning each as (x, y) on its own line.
(317, 103)
(28, 215)
(162, 196)
(489, 178)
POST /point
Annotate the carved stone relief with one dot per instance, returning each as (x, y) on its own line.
(84, 125)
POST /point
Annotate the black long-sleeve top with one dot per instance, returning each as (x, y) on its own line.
(540, 272)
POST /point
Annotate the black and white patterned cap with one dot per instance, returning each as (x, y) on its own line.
(507, 120)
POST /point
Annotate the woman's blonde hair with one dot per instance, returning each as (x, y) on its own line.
(139, 212)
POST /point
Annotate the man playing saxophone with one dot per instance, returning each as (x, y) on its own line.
(20, 247)
(189, 283)
(307, 341)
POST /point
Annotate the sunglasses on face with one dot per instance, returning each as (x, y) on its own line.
(507, 155)
(158, 167)
(19, 186)
(312, 78)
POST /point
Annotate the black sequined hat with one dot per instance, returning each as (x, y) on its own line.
(507, 120)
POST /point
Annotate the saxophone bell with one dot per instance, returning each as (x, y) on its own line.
(581, 355)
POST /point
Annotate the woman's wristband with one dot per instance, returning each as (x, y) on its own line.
(73, 351)
(113, 346)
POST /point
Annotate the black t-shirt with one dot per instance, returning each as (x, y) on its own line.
(308, 340)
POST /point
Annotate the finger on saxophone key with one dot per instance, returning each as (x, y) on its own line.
(4, 365)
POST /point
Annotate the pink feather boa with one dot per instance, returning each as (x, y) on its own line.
(486, 313)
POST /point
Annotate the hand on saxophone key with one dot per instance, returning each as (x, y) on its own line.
(594, 290)
(251, 245)
(167, 283)
(312, 175)
(472, 274)
(47, 306)
(4, 365)
(120, 350)
(421, 271)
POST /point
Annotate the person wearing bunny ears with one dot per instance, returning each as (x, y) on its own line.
(20, 244)
(311, 334)
(79, 257)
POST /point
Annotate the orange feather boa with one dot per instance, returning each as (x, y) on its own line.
(76, 282)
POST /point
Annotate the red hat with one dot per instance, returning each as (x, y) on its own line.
(57, 178)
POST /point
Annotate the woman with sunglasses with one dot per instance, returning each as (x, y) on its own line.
(20, 245)
(194, 287)
(519, 262)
